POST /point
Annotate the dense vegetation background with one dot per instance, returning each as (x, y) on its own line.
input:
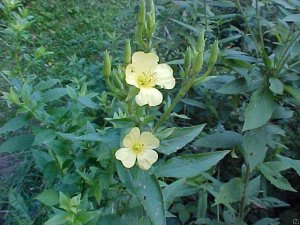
(53, 95)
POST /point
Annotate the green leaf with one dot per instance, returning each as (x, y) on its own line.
(178, 137)
(147, 190)
(293, 92)
(225, 139)
(17, 143)
(259, 110)
(276, 86)
(230, 192)
(86, 101)
(18, 203)
(292, 18)
(272, 173)
(48, 197)
(58, 219)
(177, 189)
(267, 221)
(253, 187)
(43, 85)
(44, 136)
(71, 92)
(295, 164)
(234, 87)
(254, 147)
(189, 165)
(14, 124)
(54, 94)
(187, 26)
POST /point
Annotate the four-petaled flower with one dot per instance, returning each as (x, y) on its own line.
(138, 146)
(144, 73)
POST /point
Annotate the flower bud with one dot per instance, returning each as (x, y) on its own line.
(187, 58)
(150, 24)
(198, 62)
(214, 54)
(127, 52)
(200, 45)
(106, 65)
(142, 12)
(116, 78)
(152, 10)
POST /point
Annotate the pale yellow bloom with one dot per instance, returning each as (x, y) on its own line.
(145, 73)
(138, 147)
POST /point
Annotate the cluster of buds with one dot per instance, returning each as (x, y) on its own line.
(115, 78)
(194, 58)
(146, 25)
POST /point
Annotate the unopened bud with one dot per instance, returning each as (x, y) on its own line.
(213, 54)
(198, 62)
(106, 65)
(116, 78)
(200, 45)
(142, 12)
(152, 10)
(127, 52)
(187, 58)
(150, 24)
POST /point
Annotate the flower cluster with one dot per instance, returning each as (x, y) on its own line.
(145, 73)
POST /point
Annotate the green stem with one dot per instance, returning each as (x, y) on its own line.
(183, 90)
(112, 89)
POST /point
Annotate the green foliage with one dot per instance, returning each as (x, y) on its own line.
(64, 113)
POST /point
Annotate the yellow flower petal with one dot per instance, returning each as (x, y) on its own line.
(146, 159)
(131, 138)
(143, 62)
(150, 96)
(163, 75)
(131, 75)
(149, 140)
(126, 156)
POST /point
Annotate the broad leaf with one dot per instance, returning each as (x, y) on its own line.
(234, 87)
(259, 110)
(225, 139)
(14, 124)
(177, 138)
(189, 165)
(230, 192)
(54, 94)
(148, 191)
(17, 143)
(48, 197)
(267, 221)
(254, 147)
(276, 86)
(177, 189)
(295, 164)
(272, 173)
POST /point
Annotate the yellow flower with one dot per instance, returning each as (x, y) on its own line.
(138, 146)
(145, 73)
